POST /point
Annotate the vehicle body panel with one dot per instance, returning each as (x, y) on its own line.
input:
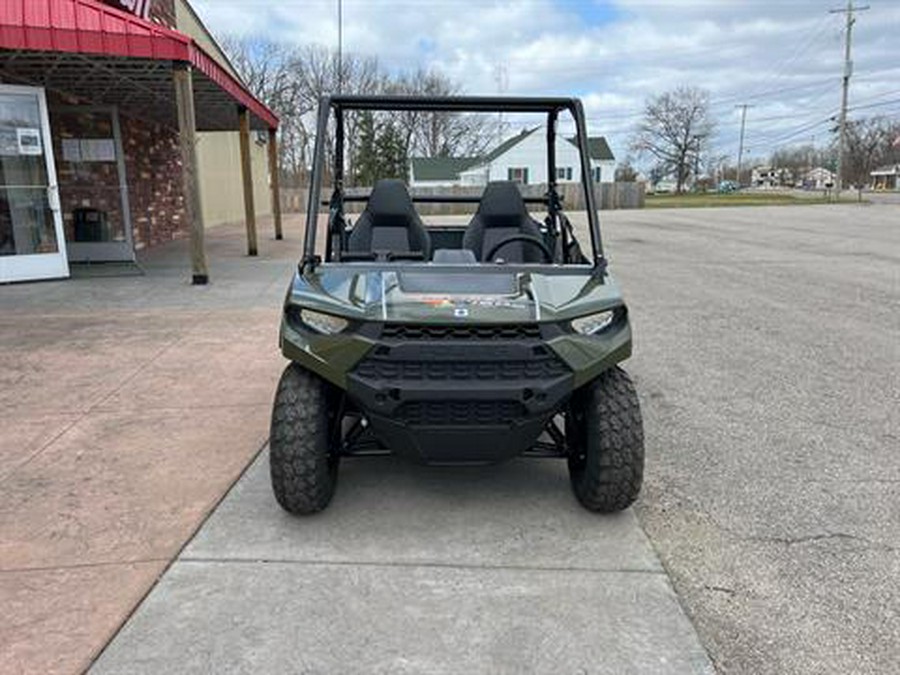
(370, 296)
(489, 294)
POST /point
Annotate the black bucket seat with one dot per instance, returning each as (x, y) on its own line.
(390, 223)
(500, 215)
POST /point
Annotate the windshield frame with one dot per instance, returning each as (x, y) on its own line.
(337, 105)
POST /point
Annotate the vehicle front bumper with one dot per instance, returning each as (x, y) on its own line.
(457, 401)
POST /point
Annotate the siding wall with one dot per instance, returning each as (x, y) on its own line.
(219, 153)
(532, 153)
(221, 186)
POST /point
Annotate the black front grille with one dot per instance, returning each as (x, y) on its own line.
(444, 413)
(399, 331)
(546, 366)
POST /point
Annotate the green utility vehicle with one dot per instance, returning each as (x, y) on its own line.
(454, 344)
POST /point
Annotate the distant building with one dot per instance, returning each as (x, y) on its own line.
(885, 177)
(521, 158)
(817, 178)
(771, 177)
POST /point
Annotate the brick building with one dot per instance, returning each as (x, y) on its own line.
(122, 125)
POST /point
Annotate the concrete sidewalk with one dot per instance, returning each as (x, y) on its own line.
(413, 570)
(130, 405)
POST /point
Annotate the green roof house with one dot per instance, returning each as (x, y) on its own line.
(521, 158)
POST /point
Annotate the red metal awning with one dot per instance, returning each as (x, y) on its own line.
(87, 49)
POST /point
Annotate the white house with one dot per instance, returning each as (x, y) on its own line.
(818, 178)
(770, 177)
(521, 158)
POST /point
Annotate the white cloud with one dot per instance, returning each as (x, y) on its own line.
(783, 57)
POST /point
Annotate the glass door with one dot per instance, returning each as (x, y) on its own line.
(31, 236)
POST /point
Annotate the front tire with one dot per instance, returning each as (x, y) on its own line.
(302, 465)
(605, 435)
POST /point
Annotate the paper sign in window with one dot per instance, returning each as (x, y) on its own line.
(71, 149)
(98, 150)
(29, 141)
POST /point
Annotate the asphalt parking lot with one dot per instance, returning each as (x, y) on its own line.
(768, 360)
(767, 357)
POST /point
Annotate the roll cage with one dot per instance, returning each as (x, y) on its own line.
(340, 104)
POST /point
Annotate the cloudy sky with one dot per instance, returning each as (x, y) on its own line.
(783, 57)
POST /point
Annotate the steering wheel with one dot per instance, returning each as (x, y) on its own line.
(525, 239)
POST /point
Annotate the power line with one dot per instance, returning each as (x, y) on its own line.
(818, 84)
(875, 97)
(793, 133)
(819, 30)
(636, 114)
(874, 105)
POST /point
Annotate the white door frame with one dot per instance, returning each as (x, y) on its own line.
(107, 251)
(39, 265)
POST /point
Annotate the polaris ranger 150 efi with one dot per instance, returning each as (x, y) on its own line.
(454, 344)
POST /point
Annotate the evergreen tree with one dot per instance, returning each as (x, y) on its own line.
(365, 161)
(380, 150)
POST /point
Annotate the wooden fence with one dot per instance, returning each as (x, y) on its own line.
(607, 195)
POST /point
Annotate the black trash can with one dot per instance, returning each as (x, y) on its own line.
(90, 225)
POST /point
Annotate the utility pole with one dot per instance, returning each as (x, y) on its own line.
(743, 107)
(340, 54)
(698, 139)
(845, 86)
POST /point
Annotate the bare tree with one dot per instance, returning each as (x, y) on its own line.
(291, 80)
(270, 70)
(625, 172)
(869, 145)
(800, 157)
(444, 133)
(438, 133)
(675, 128)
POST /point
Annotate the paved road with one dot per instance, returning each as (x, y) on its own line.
(767, 360)
(883, 197)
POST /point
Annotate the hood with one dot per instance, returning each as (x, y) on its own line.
(418, 293)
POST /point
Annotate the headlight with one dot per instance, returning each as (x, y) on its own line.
(322, 323)
(593, 323)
